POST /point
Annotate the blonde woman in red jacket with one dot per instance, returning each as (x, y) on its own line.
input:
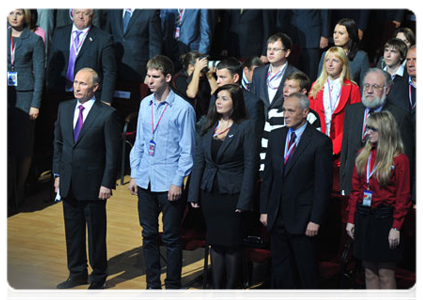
(331, 93)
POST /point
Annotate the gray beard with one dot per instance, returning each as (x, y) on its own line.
(374, 103)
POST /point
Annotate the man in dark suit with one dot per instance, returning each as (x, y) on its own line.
(85, 164)
(310, 30)
(245, 33)
(137, 37)
(81, 45)
(229, 71)
(295, 192)
(376, 87)
(185, 30)
(268, 80)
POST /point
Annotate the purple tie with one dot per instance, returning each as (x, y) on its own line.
(79, 123)
(72, 59)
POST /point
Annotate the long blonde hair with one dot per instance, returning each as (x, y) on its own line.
(345, 73)
(389, 145)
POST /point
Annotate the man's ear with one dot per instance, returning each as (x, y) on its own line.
(236, 78)
(168, 78)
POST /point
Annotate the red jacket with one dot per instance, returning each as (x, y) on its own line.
(350, 94)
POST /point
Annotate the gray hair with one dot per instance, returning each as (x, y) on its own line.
(386, 75)
(303, 99)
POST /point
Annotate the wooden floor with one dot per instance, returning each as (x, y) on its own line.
(37, 254)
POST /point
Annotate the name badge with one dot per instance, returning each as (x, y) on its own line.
(151, 148)
(367, 198)
(178, 32)
(12, 78)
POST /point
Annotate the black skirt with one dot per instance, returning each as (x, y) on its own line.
(372, 227)
(224, 225)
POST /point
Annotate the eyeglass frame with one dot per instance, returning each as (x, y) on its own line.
(374, 87)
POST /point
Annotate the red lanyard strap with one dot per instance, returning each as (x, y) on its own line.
(153, 129)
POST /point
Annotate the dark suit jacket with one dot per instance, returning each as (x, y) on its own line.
(235, 169)
(259, 87)
(302, 195)
(352, 139)
(253, 27)
(29, 63)
(141, 41)
(92, 161)
(304, 26)
(196, 29)
(96, 53)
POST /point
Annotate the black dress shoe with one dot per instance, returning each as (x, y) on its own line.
(97, 286)
(72, 282)
(150, 294)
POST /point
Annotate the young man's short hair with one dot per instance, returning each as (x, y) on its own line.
(162, 63)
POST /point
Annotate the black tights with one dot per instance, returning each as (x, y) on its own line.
(226, 264)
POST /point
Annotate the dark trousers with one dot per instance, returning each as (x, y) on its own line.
(80, 215)
(150, 204)
(293, 257)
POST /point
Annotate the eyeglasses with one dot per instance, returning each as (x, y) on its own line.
(371, 128)
(374, 87)
(275, 49)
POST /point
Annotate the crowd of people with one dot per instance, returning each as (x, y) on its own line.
(239, 106)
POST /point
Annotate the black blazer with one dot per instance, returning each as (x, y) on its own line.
(253, 27)
(92, 161)
(259, 86)
(96, 53)
(302, 195)
(352, 139)
(141, 41)
(235, 169)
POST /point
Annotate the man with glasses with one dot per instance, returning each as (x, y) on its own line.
(376, 86)
(268, 80)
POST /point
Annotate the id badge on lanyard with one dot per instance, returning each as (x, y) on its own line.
(12, 75)
(367, 194)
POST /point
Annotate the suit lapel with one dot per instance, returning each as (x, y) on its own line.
(207, 139)
(68, 120)
(345, 94)
(91, 117)
(88, 40)
(135, 14)
(302, 145)
(232, 134)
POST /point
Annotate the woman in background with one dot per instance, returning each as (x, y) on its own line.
(379, 201)
(25, 66)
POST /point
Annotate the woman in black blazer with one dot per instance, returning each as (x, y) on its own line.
(25, 66)
(222, 180)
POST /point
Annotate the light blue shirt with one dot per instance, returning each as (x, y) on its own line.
(174, 140)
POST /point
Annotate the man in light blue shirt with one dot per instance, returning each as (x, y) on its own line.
(161, 158)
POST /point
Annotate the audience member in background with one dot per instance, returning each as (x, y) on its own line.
(345, 35)
(137, 37)
(185, 30)
(223, 180)
(296, 82)
(379, 201)
(394, 56)
(331, 93)
(33, 24)
(248, 70)
(195, 83)
(80, 45)
(310, 31)
(406, 35)
(268, 80)
(245, 33)
(229, 71)
(377, 85)
(25, 80)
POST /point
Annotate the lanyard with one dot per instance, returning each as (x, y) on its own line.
(12, 51)
(180, 15)
(153, 129)
(369, 174)
(215, 134)
(275, 77)
(82, 38)
(411, 97)
(287, 151)
(366, 115)
(332, 109)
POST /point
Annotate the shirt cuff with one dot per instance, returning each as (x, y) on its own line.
(178, 180)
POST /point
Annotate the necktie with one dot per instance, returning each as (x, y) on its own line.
(72, 59)
(126, 18)
(291, 142)
(79, 124)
